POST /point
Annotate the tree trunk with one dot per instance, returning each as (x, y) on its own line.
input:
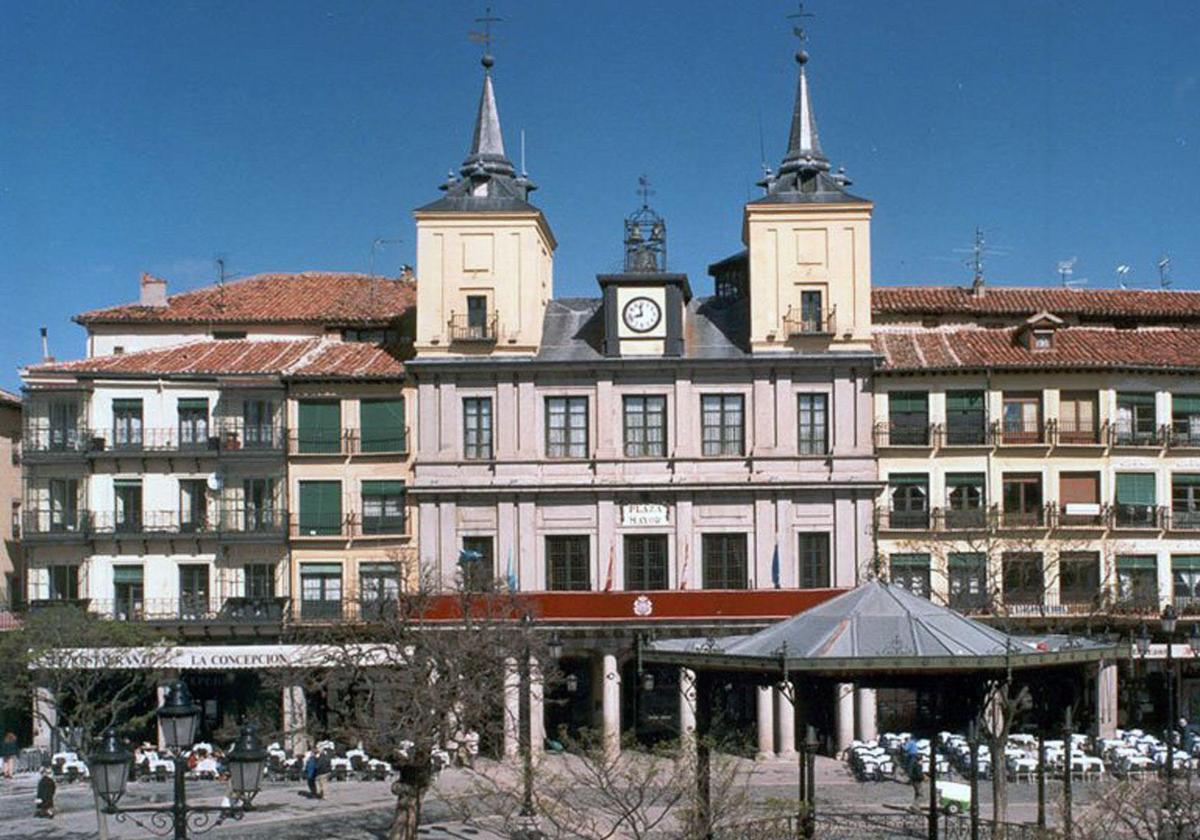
(999, 785)
(407, 816)
(101, 818)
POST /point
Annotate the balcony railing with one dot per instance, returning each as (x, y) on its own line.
(1125, 435)
(1025, 519)
(1184, 434)
(152, 523)
(958, 432)
(117, 442)
(959, 519)
(45, 525)
(199, 609)
(346, 442)
(464, 328)
(348, 525)
(915, 435)
(250, 524)
(1071, 433)
(1022, 433)
(1081, 515)
(237, 438)
(43, 442)
(1183, 519)
(1137, 517)
(797, 322)
(905, 520)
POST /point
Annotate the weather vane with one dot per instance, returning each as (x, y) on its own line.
(485, 37)
(798, 30)
(644, 191)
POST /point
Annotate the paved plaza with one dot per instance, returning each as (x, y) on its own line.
(354, 810)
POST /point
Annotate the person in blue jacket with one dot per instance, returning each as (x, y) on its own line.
(310, 773)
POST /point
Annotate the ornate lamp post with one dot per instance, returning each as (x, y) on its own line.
(178, 718)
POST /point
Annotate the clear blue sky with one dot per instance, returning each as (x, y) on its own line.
(288, 135)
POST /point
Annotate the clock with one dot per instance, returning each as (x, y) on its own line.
(641, 314)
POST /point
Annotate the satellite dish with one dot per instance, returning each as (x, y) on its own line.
(216, 482)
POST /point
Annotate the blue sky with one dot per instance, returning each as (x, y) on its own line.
(289, 135)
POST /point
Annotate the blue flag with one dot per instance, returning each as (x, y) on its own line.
(775, 567)
(512, 575)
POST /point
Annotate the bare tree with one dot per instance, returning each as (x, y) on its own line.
(1136, 810)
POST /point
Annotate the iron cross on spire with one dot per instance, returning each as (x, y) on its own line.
(798, 30)
(485, 37)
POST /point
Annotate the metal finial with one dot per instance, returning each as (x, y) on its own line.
(484, 38)
(799, 31)
(644, 192)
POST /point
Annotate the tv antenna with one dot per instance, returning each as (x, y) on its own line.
(1164, 271)
(1066, 273)
(376, 244)
(1123, 271)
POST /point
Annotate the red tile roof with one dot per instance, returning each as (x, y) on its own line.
(1074, 347)
(309, 298)
(9, 398)
(353, 360)
(1029, 301)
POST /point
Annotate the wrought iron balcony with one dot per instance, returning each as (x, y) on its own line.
(916, 435)
(194, 609)
(136, 524)
(1134, 436)
(960, 432)
(239, 439)
(349, 526)
(43, 525)
(44, 443)
(800, 323)
(1137, 517)
(1183, 519)
(464, 328)
(1071, 433)
(1035, 518)
(904, 520)
(963, 519)
(1020, 433)
(1081, 515)
(252, 524)
(184, 440)
(1184, 434)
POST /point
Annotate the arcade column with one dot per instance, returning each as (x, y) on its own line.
(295, 720)
(1106, 700)
(785, 722)
(687, 705)
(766, 723)
(866, 723)
(844, 712)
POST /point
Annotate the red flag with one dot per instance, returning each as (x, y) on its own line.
(608, 584)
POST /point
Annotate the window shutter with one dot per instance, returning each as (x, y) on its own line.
(320, 569)
(1185, 479)
(1082, 488)
(127, 574)
(127, 405)
(964, 400)
(1135, 399)
(194, 402)
(910, 561)
(1185, 403)
(908, 401)
(1185, 562)
(965, 480)
(382, 423)
(382, 488)
(320, 426)
(909, 479)
(1133, 562)
(966, 560)
(320, 507)
(1135, 489)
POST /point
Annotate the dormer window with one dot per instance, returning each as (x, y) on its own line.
(1043, 339)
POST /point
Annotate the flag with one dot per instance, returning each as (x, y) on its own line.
(775, 566)
(512, 575)
(683, 568)
(608, 583)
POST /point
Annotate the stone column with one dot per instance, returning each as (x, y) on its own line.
(610, 700)
(866, 724)
(295, 720)
(512, 709)
(785, 722)
(844, 700)
(766, 723)
(537, 708)
(1106, 700)
(161, 692)
(45, 718)
(687, 706)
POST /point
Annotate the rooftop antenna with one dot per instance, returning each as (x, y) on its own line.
(524, 171)
(1164, 271)
(46, 357)
(976, 261)
(1123, 275)
(377, 243)
(1066, 271)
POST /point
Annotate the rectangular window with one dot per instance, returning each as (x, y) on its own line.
(477, 428)
(566, 427)
(259, 580)
(646, 562)
(478, 562)
(64, 582)
(1078, 577)
(908, 418)
(381, 424)
(64, 505)
(193, 505)
(1137, 422)
(128, 593)
(378, 588)
(1024, 583)
(1079, 499)
(127, 424)
(320, 508)
(1078, 418)
(1023, 500)
(1185, 419)
(477, 314)
(968, 581)
(909, 501)
(383, 507)
(724, 561)
(966, 418)
(258, 425)
(193, 590)
(1136, 505)
(1137, 582)
(645, 427)
(320, 427)
(64, 426)
(193, 423)
(812, 412)
(1185, 501)
(966, 500)
(1022, 418)
(568, 564)
(911, 572)
(812, 317)
(813, 554)
(1185, 582)
(127, 497)
(320, 591)
(258, 506)
(722, 424)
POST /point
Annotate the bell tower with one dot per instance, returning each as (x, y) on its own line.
(809, 243)
(485, 255)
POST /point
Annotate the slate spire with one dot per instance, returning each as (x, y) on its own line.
(804, 146)
(487, 143)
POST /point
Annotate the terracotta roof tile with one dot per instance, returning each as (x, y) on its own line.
(1029, 301)
(354, 360)
(198, 357)
(1074, 347)
(308, 298)
(9, 398)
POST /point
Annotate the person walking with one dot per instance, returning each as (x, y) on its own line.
(324, 768)
(310, 773)
(912, 757)
(9, 749)
(46, 788)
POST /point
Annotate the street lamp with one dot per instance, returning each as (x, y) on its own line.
(1169, 620)
(1143, 641)
(178, 718)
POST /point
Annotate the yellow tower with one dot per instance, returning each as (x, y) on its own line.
(485, 255)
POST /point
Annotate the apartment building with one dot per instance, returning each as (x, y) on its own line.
(1041, 453)
(10, 496)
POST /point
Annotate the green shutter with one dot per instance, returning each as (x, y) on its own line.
(1185, 479)
(1185, 562)
(964, 480)
(1133, 562)
(910, 561)
(966, 560)
(320, 426)
(964, 400)
(1185, 404)
(320, 507)
(320, 569)
(382, 488)
(127, 405)
(909, 478)
(378, 568)
(1135, 489)
(382, 424)
(127, 574)
(1135, 399)
(126, 483)
(194, 402)
(908, 401)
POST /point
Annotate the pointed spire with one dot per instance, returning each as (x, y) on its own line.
(804, 146)
(487, 143)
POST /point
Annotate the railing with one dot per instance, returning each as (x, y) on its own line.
(1022, 433)
(1071, 433)
(1025, 519)
(151, 522)
(238, 438)
(797, 322)
(1186, 604)
(1184, 434)
(1137, 517)
(395, 443)
(959, 519)
(1183, 520)
(904, 520)
(464, 328)
(346, 442)
(349, 525)
(1121, 434)
(45, 525)
(41, 441)
(151, 441)
(308, 527)
(962, 433)
(194, 608)
(251, 523)
(1096, 516)
(904, 434)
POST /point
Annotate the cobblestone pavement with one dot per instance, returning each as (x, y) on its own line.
(361, 810)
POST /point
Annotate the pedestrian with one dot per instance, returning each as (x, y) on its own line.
(310, 773)
(46, 788)
(324, 768)
(912, 756)
(9, 748)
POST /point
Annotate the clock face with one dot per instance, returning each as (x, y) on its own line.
(641, 314)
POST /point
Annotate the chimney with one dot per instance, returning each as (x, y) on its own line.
(46, 357)
(154, 291)
(406, 272)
